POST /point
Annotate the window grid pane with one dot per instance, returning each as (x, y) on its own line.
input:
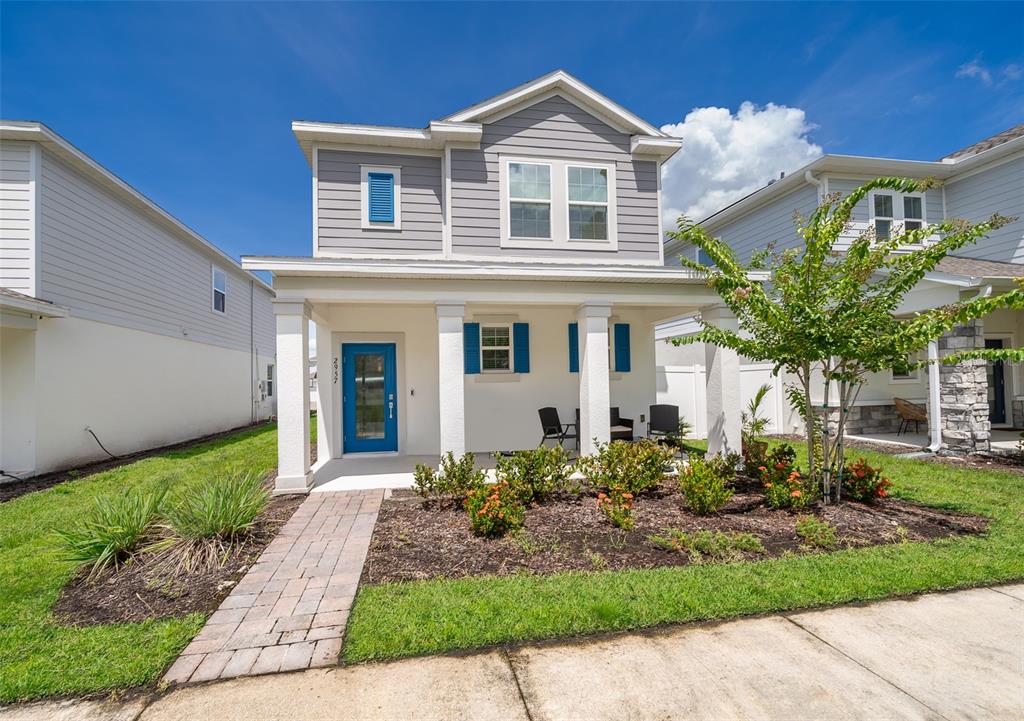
(912, 208)
(588, 222)
(529, 220)
(883, 206)
(495, 359)
(494, 336)
(588, 184)
(529, 181)
(882, 228)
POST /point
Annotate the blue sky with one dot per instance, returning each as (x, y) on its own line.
(191, 103)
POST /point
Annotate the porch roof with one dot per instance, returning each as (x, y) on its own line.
(473, 270)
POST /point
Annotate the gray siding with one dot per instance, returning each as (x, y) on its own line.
(16, 249)
(109, 261)
(769, 223)
(999, 189)
(555, 128)
(339, 226)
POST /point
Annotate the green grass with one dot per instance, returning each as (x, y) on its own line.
(405, 619)
(39, 657)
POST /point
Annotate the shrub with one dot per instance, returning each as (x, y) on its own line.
(755, 455)
(716, 545)
(207, 518)
(816, 532)
(494, 510)
(617, 506)
(112, 532)
(454, 480)
(535, 475)
(704, 482)
(784, 485)
(863, 482)
(632, 467)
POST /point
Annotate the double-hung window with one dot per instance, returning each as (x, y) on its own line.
(891, 211)
(557, 203)
(495, 348)
(220, 290)
(270, 380)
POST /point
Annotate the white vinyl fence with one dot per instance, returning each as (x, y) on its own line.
(684, 386)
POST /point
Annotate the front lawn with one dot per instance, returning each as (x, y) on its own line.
(41, 657)
(409, 618)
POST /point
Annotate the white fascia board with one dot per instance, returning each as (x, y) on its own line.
(561, 80)
(347, 267)
(654, 148)
(32, 306)
(40, 133)
(434, 138)
(678, 328)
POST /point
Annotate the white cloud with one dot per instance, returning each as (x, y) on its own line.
(974, 69)
(726, 156)
(1013, 71)
(987, 76)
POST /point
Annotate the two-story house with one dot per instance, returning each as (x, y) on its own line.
(118, 324)
(464, 275)
(964, 402)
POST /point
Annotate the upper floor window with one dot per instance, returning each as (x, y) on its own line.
(381, 197)
(889, 210)
(557, 203)
(220, 290)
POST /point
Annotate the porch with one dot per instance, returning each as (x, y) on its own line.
(1001, 439)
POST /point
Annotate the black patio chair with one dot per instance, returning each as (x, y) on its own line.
(555, 430)
(663, 421)
(615, 420)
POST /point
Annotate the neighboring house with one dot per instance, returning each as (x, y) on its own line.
(114, 317)
(466, 274)
(967, 400)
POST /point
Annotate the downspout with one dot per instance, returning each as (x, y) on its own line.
(252, 353)
(809, 177)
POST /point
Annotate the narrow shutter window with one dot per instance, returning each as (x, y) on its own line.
(381, 197)
(471, 347)
(622, 363)
(574, 348)
(521, 347)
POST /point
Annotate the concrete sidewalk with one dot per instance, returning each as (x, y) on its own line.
(942, 656)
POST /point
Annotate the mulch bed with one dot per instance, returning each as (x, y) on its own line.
(11, 489)
(141, 591)
(416, 539)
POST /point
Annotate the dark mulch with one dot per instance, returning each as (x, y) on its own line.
(143, 590)
(416, 539)
(984, 462)
(11, 489)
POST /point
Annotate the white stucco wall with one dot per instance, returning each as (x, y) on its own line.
(136, 390)
(17, 404)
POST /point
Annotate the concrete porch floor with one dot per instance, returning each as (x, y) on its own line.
(364, 471)
(1002, 439)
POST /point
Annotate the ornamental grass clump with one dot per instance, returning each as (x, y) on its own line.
(494, 510)
(116, 528)
(817, 532)
(714, 546)
(208, 519)
(631, 467)
(536, 474)
(704, 482)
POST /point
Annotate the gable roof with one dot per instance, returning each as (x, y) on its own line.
(988, 143)
(40, 133)
(570, 87)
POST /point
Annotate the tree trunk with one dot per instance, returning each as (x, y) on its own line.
(808, 418)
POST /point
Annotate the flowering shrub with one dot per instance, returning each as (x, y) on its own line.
(535, 475)
(755, 455)
(816, 532)
(493, 510)
(704, 482)
(784, 485)
(633, 467)
(863, 482)
(454, 480)
(617, 506)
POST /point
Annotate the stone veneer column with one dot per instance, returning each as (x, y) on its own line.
(963, 392)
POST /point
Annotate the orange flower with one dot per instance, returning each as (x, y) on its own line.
(795, 494)
(767, 485)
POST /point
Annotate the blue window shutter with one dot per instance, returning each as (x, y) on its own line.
(381, 197)
(521, 347)
(574, 348)
(622, 347)
(471, 347)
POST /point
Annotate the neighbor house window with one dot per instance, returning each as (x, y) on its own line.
(495, 348)
(220, 290)
(380, 190)
(588, 203)
(529, 195)
(554, 203)
(891, 212)
(270, 379)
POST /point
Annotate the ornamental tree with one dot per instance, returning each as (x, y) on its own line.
(826, 312)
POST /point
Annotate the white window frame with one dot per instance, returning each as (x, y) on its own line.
(364, 197)
(898, 220)
(270, 380)
(559, 204)
(913, 377)
(511, 357)
(214, 269)
(606, 205)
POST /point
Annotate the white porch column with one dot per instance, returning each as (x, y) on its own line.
(326, 414)
(451, 377)
(293, 474)
(723, 388)
(934, 397)
(595, 396)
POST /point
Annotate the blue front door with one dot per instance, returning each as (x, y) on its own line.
(369, 397)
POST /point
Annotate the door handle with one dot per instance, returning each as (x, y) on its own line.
(391, 410)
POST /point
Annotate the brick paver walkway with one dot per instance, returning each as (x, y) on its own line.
(290, 609)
